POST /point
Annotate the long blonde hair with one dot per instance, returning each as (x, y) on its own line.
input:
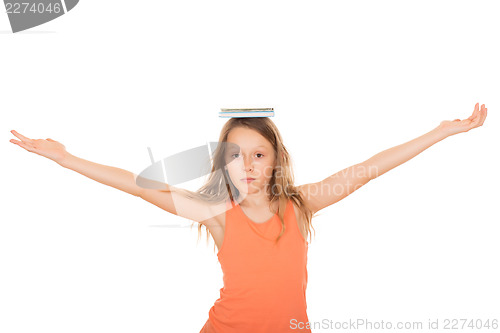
(218, 186)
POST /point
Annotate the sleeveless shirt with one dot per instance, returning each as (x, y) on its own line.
(264, 288)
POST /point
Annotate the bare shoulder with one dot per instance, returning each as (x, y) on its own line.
(186, 204)
(321, 194)
(218, 215)
(305, 191)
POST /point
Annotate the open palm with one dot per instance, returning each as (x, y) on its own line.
(49, 148)
(458, 126)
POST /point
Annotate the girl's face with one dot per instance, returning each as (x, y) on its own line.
(249, 156)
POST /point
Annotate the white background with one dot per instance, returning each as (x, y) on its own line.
(347, 80)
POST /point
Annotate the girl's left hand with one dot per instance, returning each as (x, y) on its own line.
(458, 126)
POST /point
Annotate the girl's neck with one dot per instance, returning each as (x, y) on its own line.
(253, 201)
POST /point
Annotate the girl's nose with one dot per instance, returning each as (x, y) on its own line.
(248, 164)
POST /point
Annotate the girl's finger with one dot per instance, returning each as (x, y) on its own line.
(21, 144)
(22, 137)
(480, 116)
(25, 143)
(484, 116)
(476, 111)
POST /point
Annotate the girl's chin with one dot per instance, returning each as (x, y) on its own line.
(248, 189)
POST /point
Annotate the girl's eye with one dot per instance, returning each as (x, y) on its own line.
(238, 154)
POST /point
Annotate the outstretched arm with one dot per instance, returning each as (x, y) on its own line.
(174, 200)
(53, 150)
(391, 158)
(339, 185)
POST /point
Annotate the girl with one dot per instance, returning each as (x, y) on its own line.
(257, 217)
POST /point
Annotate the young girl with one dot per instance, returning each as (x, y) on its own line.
(258, 218)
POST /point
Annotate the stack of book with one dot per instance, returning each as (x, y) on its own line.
(238, 113)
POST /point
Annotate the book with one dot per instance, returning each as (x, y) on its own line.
(246, 112)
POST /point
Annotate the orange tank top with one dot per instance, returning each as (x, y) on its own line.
(264, 283)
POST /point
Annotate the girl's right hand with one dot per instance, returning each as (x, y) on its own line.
(49, 148)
